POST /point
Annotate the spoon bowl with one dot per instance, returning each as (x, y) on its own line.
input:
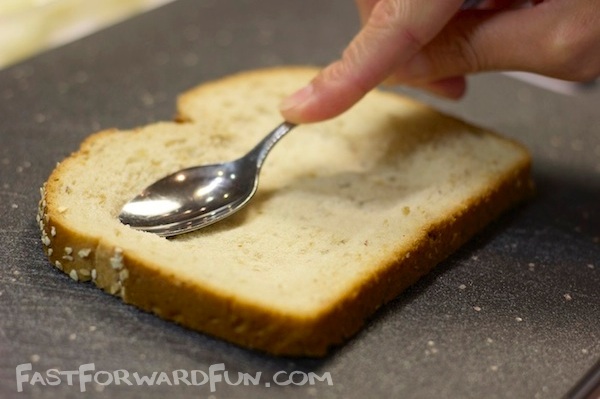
(196, 197)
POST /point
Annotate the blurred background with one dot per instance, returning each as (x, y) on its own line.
(28, 27)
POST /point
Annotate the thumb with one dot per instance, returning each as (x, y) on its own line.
(395, 31)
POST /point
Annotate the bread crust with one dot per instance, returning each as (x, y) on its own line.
(100, 260)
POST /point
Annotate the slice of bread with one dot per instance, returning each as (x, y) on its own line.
(348, 213)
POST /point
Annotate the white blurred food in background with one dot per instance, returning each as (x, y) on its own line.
(28, 27)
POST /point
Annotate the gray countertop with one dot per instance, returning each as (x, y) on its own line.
(514, 314)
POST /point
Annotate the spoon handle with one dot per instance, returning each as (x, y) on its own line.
(262, 149)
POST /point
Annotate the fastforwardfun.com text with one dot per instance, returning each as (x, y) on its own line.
(86, 374)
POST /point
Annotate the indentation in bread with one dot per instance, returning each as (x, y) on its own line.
(348, 213)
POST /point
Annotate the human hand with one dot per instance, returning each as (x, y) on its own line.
(433, 45)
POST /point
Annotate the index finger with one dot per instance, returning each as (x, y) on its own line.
(394, 32)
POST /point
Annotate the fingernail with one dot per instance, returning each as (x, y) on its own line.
(296, 99)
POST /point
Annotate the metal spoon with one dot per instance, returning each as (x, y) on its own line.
(196, 197)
